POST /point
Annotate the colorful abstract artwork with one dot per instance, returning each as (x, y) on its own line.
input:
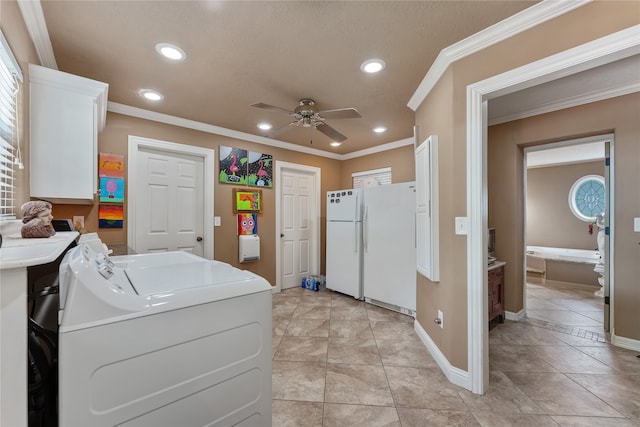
(247, 223)
(111, 173)
(110, 216)
(233, 165)
(111, 165)
(111, 190)
(247, 201)
(260, 169)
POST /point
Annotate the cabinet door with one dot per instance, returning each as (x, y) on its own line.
(427, 224)
(62, 144)
(66, 113)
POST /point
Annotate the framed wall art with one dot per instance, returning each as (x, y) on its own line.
(260, 170)
(233, 165)
(247, 201)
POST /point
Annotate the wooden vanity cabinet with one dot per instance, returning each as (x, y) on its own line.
(496, 291)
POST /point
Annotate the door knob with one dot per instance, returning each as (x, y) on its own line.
(281, 235)
(199, 239)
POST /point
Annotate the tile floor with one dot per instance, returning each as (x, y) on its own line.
(342, 362)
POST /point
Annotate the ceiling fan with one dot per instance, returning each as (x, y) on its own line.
(307, 115)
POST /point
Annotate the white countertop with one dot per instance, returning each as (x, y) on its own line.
(17, 253)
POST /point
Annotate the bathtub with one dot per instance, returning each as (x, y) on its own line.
(564, 264)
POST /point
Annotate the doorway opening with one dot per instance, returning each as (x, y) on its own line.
(568, 212)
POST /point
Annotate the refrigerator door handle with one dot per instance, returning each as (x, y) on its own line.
(366, 227)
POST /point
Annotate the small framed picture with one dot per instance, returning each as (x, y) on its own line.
(247, 201)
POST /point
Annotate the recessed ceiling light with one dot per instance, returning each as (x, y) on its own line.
(380, 129)
(264, 126)
(373, 65)
(150, 95)
(170, 51)
(336, 144)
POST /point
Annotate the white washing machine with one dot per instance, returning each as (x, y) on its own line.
(166, 339)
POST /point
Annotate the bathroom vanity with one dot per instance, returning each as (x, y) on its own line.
(496, 290)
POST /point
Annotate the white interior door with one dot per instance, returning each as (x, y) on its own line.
(169, 200)
(296, 233)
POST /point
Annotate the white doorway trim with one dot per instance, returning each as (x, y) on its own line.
(136, 144)
(281, 167)
(607, 49)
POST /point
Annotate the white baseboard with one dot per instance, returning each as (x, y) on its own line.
(456, 375)
(510, 315)
(623, 342)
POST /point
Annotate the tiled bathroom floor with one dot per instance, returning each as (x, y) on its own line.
(342, 362)
(570, 306)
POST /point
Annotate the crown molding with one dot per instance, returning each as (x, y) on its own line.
(140, 113)
(37, 27)
(574, 101)
(378, 149)
(509, 27)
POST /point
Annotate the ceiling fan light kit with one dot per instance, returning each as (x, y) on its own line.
(307, 115)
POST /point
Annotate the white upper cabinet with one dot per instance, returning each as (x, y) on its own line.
(66, 114)
(427, 218)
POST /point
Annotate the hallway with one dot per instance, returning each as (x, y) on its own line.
(342, 362)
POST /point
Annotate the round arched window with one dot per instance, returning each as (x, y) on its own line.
(587, 197)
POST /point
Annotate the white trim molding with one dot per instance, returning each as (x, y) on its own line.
(516, 317)
(574, 101)
(623, 342)
(607, 49)
(37, 27)
(509, 27)
(456, 375)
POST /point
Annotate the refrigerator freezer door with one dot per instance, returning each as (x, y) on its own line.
(389, 248)
(344, 250)
(344, 205)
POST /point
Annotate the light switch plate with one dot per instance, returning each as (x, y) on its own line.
(216, 221)
(636, 225)
(462, 225)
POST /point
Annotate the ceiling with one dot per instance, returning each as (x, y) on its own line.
(275, 52)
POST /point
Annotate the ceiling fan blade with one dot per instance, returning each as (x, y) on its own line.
(271, 108)
(340, 113)
(282, 129)
(333, 134)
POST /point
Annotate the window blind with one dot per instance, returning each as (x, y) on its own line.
(371, 178)
(10, 78)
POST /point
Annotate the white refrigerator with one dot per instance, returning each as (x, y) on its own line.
(371, 245)
(389, 246)
(344, 242)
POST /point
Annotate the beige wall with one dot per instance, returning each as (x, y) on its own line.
(618, 116)
(580, 26)
(550, 221)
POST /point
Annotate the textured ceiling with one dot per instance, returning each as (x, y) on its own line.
(243, 52)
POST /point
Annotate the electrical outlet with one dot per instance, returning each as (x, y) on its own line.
(441, 319)
(78, 221)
